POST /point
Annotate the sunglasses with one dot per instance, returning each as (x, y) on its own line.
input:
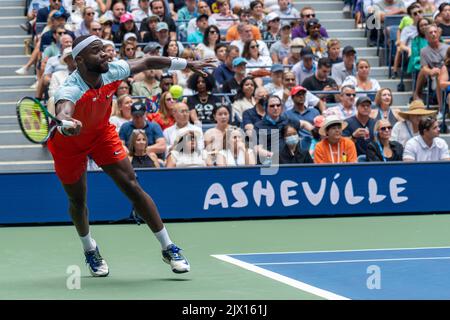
(415, 13)
(275, 20)
(213, 32)
(254, 46)
(90, 13)
(170, 99)
(386, 128)
(350, 94)
(96, 29)
(130, 49)
(61, 33)
(312, 15)
(274, 105)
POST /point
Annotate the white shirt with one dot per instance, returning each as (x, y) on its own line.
(230, 160)
(416, 149)
(402, 132)
(117, 121)
(265, 61)
(57, 80)
(205, 51)
(186, 160)
(340, 111)
(263, 50)
(171, 133)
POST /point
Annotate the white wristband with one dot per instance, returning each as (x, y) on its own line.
(177, 64)
(61, 130)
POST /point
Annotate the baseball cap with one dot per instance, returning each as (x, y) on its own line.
(306, 52)
(312, 22)
(202, 16)
(239, 60)
(297, 89)
(138, 108)
(152, 46)
(277, 67)
(105, 19)
(285, 23)
(108, 43)
(297, 44)
(348, 49)
(129, 35)
(66, 53)
(60, 13)
(161, 26)
(272, 16)
(126, 17)
(362, 100)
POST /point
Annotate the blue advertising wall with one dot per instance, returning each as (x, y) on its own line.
(303, 190)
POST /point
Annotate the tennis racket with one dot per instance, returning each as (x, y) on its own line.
(36, 123)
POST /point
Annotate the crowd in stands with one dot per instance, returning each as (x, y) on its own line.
(283, 91)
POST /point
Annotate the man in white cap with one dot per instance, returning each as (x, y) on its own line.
(85, 99)
(60, 76)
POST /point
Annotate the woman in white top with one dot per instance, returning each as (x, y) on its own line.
(362, 81)
(185, 152)
(213, 138)
(181, 76)
(206, 49)
(121, 113)
(235, 152)
(245, 98)
(255, 60)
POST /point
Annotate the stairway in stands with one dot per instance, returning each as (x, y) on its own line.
(17, 154)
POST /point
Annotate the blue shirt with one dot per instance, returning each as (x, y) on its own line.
(152, 130)
(308, 115)
(196, 37)
(250, 116)
(222, 74)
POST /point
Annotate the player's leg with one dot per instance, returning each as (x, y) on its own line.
(78, 211)
(124, 176)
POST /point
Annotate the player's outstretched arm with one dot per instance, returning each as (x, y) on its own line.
(64, 111)
(155, 62)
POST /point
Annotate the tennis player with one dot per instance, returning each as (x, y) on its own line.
(85, 98)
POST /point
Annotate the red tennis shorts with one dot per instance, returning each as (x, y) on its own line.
(70, 154)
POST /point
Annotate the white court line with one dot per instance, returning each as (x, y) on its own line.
(278, 277)
(21, 146)
(349, 261)
(352, 250)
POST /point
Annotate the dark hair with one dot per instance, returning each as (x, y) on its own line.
(207, 31)
(166, 48)
(420, 34)
(324, 62)
(411, 7)
(240, 94)
(219, 45)
(273, 96)
(285, 129)
(246, 51)
(426, 124)
(242, 11)
(219, 106)
(162, 1)
(193, 80)
(442, 6)
(254, 3)
(230, 49)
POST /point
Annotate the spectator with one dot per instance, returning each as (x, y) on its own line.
(214, 136)
(96, 29)
(276, 75)
(198, 36)
(181, 116)
(255, 114)
(164, 115)
(244, 17)
(245, 33)
(201, 105)
(307, 13)
(342, 70)
(280, 49)
(153, 49)
(389, 8)
(268, 131)
(224, 71)
(320, 81)
(334, 51)
(314, 39)
(202, 8)
(240, 71)
(334, 148)
(117, 10)
(123, 88)
(245, 98)
(362, 81)
(155, 137)
(427, 146)
(238, 5)
(166, 81)
(157, 7)
(294, 57)
(171, 49)
(141, 13)
(292, 151)
(360, 127)
(272, 32)
(306, 67)
(148, 87)
(60, 76)
(43, 13)
(110, 49)
(106, 24)
(225, 19)
(346, 107)
(257, 15)
(162, 34)
(432, 60)
(138, 151)
(287, 11)
(84, 28)
(235, 153)
(185, 14)
(206, 49)
(382, 149)
(185, 152)
(417, 44)
(122, 113)
(302, 114)
(257, 65)
(444, 23)
(182, 76)
(383, 103)
(128, 50)
(57, 20)
(316, 137)
(148, 28)
(409, 128)
(220, 50)
(127, 25)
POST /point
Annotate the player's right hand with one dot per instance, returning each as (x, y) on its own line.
(75, 130)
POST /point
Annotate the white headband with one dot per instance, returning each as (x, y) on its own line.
(83, 44)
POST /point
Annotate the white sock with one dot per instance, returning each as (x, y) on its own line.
(163, 238)
(88, 243)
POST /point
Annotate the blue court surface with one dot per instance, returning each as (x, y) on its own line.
(408, 273)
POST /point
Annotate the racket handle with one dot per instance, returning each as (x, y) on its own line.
(67, 124)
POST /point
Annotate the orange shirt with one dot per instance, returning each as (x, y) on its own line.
(233, 34)
(342, 152)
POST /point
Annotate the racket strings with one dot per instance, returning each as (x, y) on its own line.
(34, 121)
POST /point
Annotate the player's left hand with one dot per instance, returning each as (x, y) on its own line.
(198, 66)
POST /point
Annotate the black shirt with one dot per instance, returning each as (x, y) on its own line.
(142, 162)
(250, 116)
(231, 86)
(204, 110)
(313, 84)
(374, 152)
(445, 30)
(361, 143)
(299, 156)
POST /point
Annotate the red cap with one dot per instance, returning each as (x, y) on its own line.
(126, 17)
(296, 90)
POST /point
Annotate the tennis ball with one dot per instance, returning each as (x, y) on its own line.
(176, 91)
